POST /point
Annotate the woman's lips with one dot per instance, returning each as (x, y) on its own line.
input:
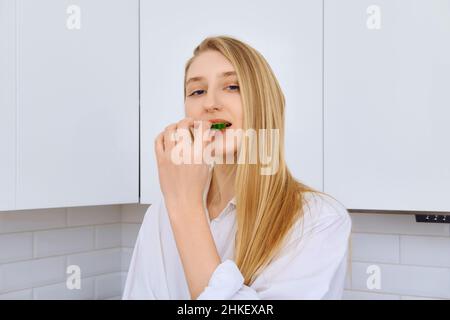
(227, 123)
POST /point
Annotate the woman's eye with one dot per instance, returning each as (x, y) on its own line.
(236, 87)
(193, 93)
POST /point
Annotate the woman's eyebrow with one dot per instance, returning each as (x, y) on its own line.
(222, 75)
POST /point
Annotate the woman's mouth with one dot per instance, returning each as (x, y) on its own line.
(220, 124)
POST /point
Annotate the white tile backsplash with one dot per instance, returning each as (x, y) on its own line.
(80, 216)
(127, 253)
(29, 220)
(413, 257)
(60, 291)
(425, 251)
(124, 279)
(362, 295)
(375, 247)
(36, 246)
(396, 224)
(63, 241)
(404, 279)
(134, 213)
(21, 250)
(108, 285)
(108, 236)
(129, 234)
(97, 262)
(418, 298)
(31, 273)
(18, 295)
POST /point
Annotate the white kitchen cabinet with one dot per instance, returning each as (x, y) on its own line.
(386, 107)
(7, 109)
(287, 33)
(76, 124)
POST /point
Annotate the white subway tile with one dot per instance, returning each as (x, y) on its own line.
(348, 271)
(127, 253)
(419, 298)
(63, 241)
(61, 292)
(404, 280)
(29, 220)
(80, 216)
(362, 295)
(396, 224)
(18, 295)
(108, 285)
(375, 247)
(129, 234)
(27, 274)
(97, 262)
(108, 236)
(425, 251)
(134, 213)
(124, 280)
(16, 246)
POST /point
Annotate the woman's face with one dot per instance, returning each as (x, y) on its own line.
(212, 92)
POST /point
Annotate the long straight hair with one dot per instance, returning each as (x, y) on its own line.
(267, 206)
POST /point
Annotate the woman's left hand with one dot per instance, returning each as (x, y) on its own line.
(182, 180)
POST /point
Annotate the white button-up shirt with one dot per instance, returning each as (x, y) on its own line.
(311, 265)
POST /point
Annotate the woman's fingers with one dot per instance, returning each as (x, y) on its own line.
(159, 146)
(169, 137)
(200, 129)
(207, 143)
(184, 129)
(180, 132)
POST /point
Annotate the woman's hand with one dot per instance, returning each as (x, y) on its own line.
(183, 173)
(182, 184)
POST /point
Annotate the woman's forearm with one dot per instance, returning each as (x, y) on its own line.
(196, 247)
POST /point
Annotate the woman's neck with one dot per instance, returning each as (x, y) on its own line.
(221, 189)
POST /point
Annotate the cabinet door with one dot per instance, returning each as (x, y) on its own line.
(78, 102)
(387, 98)
(7, 104)
(287, 33)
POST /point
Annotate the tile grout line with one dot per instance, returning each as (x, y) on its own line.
(64, 255)
(62, 228)
(59, 282)
(403, 265)
(394, 294)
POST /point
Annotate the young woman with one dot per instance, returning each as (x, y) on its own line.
(233, 230)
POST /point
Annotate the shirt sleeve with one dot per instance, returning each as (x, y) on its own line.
(311, 266)
(137, 284)
(146, 277)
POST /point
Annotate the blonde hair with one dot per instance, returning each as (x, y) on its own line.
(267, 206)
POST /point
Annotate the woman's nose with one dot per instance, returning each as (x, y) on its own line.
(212, 108)
(211, 103)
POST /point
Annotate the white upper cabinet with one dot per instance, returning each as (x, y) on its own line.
(75, 120)
(287, 33)
(387, 104)
(7, 105)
